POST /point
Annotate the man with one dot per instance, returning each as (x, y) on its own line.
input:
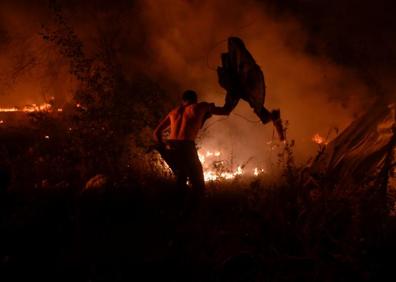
(243, 79)
(179, 150)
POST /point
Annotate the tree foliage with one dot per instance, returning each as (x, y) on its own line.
(109, 108)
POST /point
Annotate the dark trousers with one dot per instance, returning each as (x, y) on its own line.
(182, 158)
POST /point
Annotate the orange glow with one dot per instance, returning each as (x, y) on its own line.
(319, 139)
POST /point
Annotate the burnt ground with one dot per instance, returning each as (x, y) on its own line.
(236, 233)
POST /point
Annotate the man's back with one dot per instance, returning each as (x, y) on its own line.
(186, 120)
(179, 150)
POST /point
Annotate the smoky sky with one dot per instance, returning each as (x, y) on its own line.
(353, 33)
(324, 61)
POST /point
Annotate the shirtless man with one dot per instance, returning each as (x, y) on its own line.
(179, 150)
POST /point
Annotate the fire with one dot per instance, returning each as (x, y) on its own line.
(319, 139)
(9, 110)
(37, 108)
(45, 107)
(216, 169)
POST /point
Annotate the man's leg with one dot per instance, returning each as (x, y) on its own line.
(274, 116)
(231, 101)
(264, 115)
(197, 180)
(181, 179)
(196, 173)
(227, 78)
(180, 175)
(276, 120)
(174, 158)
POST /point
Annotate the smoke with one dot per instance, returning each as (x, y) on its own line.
(30, 72)
(314, 95)
(178, 43)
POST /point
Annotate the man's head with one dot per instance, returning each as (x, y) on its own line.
(189, 97)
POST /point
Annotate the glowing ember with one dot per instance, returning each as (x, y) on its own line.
(46, 137)
(319, 139)
(8, 110)
(1, 121)
(258, 171)
(216, 169)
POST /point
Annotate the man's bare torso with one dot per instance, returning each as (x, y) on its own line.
(185, 121)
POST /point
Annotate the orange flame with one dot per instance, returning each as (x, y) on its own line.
(45, 107)
(208, 158)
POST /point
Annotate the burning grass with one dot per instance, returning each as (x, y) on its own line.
(217, 167)
(45, 107)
